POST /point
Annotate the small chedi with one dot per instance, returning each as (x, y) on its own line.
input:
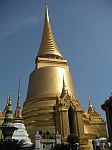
(21, 133)
(7, 126)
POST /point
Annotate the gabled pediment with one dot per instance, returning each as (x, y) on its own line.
(68, 101)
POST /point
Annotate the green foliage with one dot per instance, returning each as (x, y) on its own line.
(72, 139)
(59, 147)
(72, 147)
(66, 147)
(11, 144)
(73, 143)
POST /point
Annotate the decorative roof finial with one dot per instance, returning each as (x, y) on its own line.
(64, 89)
(89, 100)
(18, 111)
(18, 102)
(92, 110)
(6, 106)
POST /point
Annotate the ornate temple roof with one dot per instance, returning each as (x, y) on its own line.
(48, 47)
(93, 112)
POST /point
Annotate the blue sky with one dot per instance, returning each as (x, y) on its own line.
(83, 33)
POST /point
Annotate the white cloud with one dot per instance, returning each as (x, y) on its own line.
(17, 25)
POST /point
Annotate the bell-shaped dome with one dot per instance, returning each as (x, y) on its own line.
(48, 82)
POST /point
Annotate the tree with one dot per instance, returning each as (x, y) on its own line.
(59, 147)
(73, 141)
(11, 144)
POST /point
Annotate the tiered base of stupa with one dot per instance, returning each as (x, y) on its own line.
(21, 134)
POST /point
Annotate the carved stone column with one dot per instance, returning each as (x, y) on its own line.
(62, 123)
(80, 130)
(37, 141)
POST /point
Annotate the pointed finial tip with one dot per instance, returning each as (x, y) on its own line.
(10, 96)
(89, 100)
(46, 11)
(46, 4)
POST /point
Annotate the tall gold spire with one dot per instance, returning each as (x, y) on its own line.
(18, 112)
(48, 47)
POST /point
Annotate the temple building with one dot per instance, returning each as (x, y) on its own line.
(51, 103)
(7, 119)
(107, 107)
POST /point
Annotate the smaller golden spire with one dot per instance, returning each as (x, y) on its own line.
(64, 89)
(90, 107)
(92, 110)
(6, 106)
(18, 102)
(18, 113)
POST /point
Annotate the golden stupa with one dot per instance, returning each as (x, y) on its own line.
(51, 103)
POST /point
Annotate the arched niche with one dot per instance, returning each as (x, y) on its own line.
(72, 120)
